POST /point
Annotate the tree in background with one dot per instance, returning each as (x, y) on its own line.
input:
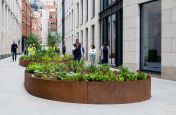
(54, 39)
(32, 39)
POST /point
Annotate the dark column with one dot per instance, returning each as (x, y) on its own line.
(63, 21)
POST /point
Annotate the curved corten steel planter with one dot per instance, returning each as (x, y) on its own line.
(25, 63)
(89, 92)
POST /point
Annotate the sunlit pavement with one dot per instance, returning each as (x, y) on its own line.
(14, 100)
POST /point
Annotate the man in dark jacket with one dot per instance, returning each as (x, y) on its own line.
(63, 49)
(14, 47)
(77, 50)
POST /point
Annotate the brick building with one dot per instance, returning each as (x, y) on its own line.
(36, 24)
(52, 8)
(26, 21)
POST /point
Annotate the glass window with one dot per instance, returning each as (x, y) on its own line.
(112, 38)
(77, 14)
(107, 3)
(109, 30)
(87, 8)
(72, 20)
(82, 37)
(93, 34)
(113, 1)
(81, 12)
(151, 36)
(87, 43)
(78, 35)
(93, 10)
(101, 32)
(101, 5)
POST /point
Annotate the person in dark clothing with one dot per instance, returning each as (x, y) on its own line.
(63, 49)
(14, 47)
(104, 54)
(77, 50)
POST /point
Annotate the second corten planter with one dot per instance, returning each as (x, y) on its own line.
(89, 92)
(25, 63)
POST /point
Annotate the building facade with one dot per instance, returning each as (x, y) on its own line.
(149, 36)
(140, 33)
(51, 6)
(81, 20)
(61, 21)
(41, 24)
(36, 5)
(111, 24)
(68, 23)
(44, 26)
(10, 26)
(37, 24)
(26, 21)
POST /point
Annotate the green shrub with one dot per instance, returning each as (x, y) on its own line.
(79, 71)
(32, 39)
(44, 56)
(54, 39)
(125, 75)
(25, 57)
(35, 67)
(141, 76)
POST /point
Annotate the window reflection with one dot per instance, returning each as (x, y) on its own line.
(111, 30)
(151, 36)
(107, 3)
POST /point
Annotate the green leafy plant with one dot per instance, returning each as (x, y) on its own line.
(44, 56)
(141, 76)
(125, 75)
(25, 57)
(32, 39)
(79, 71)
(35, 67)
(91, 69)
(53, 39)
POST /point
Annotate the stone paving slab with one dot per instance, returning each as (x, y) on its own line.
(14, 100)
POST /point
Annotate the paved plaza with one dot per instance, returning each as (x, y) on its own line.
(14, 100)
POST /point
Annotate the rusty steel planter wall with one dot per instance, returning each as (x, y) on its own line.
(89, 92)
(25, 63)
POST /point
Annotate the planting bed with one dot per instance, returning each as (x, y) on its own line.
(108, 92)
(25, 63)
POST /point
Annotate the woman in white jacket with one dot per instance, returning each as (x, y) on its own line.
(92, 54)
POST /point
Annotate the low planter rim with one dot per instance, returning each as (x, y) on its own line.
(43, 61)
(25, 63)
(89, 92)
(31, 75)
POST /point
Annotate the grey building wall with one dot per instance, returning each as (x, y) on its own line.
(78, 21)
(131, 36)
(10, 26)
(45, 26)
(76, 27)
(169, 39)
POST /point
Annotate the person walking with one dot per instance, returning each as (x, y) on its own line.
(104, 54)
(63, 49)
(92, 54)
(14, 47)
(77, 50)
